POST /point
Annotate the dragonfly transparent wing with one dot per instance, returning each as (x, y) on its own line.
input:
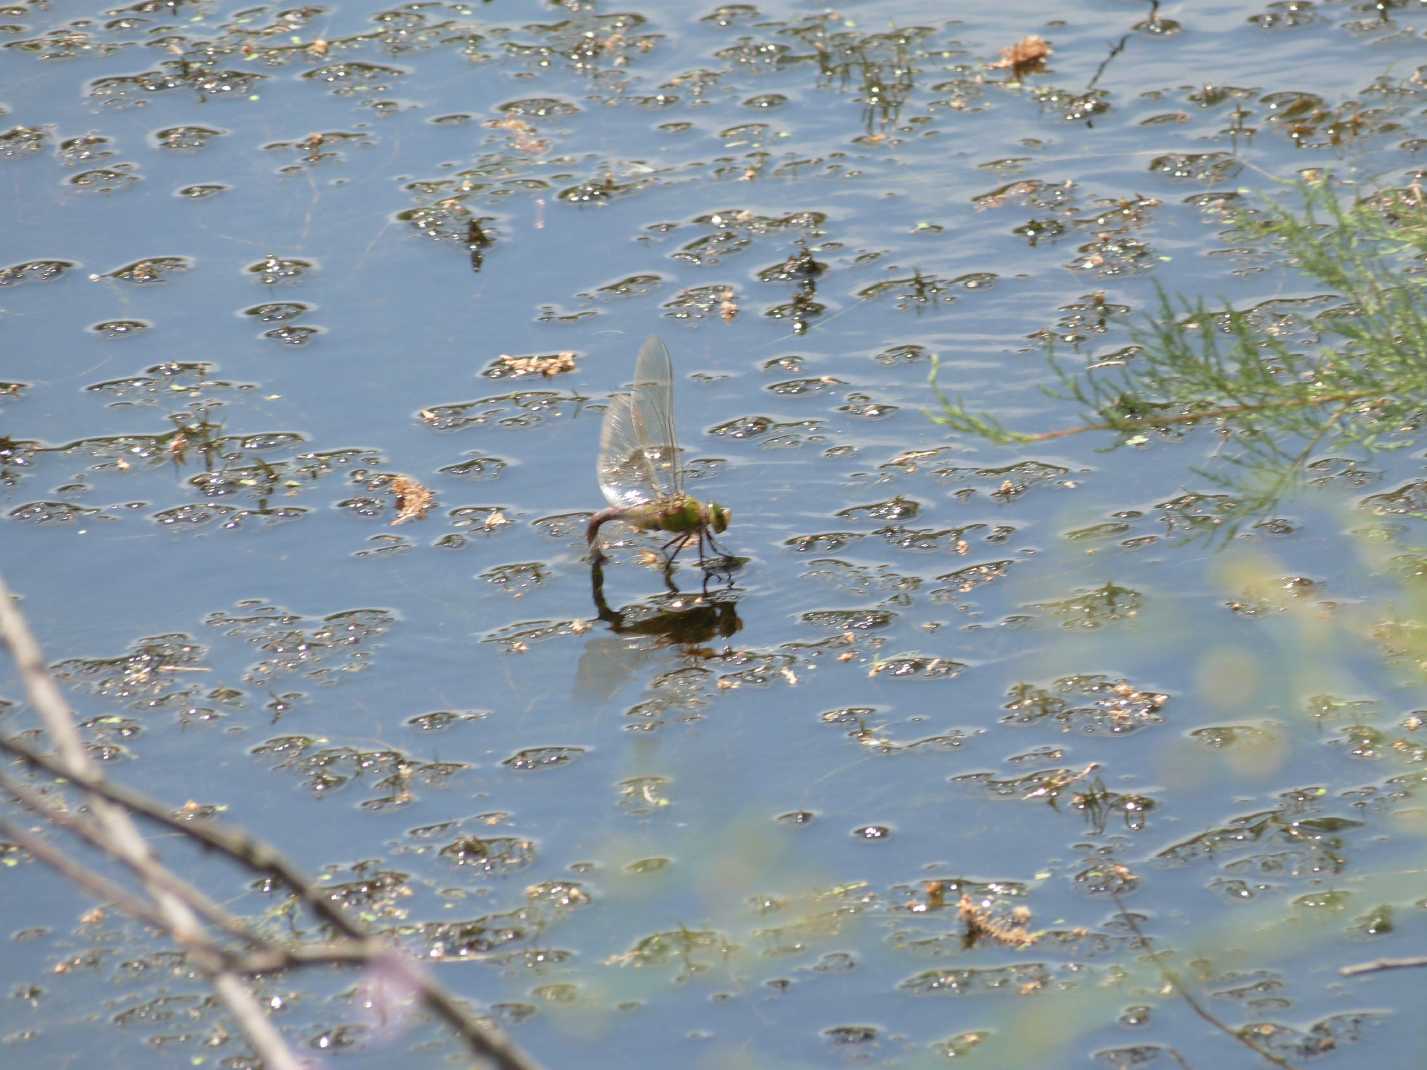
(639, 457)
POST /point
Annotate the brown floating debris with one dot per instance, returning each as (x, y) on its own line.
(1055, 783)
(412, 500)
(936, 897)
(548, 365)
(1024, 56)
(982, 924)
(728, 305)
(524, 136)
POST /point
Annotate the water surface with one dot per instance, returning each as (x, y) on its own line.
(258, 262)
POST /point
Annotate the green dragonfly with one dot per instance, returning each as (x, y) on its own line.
(639, 470)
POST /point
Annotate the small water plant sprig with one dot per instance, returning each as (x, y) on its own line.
(1279, 388)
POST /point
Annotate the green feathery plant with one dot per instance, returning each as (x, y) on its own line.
(1280, 388)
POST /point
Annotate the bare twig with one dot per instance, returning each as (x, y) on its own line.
(358, 949)
(237, 845)
(1414, 962)
(124, 839)
(267, 956)
(338, 953)
(159, 875)
(100, 887)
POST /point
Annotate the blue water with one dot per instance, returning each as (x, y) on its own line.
(750, 785)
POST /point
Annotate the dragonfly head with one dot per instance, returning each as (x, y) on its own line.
(719, 516)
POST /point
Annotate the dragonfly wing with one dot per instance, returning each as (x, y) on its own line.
(625, 475)
(653, 395)
(639, 461)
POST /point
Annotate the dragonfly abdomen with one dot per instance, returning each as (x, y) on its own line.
(676, 516)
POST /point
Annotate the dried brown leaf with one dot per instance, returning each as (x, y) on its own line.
(1023, 56)
(981, 923)
(412, 500)
(524, 136)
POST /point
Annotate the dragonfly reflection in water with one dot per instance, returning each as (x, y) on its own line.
(639, 469)
(642, 632)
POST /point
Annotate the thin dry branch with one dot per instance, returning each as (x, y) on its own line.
(123, 838)
(357, 949)
(1414, 962)
(338, 953)
(98, 886)
(251, 853)
(89, 831)
(268, 957)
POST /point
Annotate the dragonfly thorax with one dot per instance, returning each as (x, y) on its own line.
(678, 515)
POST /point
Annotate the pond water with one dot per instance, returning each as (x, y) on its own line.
(258, 262)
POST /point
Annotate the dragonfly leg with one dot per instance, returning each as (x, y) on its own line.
(716, 547)
(682, 539)
(669, 577)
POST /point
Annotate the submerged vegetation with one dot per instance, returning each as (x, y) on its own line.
(1279, 385)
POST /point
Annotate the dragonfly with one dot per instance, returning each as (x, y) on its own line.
(639, 470)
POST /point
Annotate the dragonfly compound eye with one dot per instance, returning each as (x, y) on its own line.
(721, 516)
